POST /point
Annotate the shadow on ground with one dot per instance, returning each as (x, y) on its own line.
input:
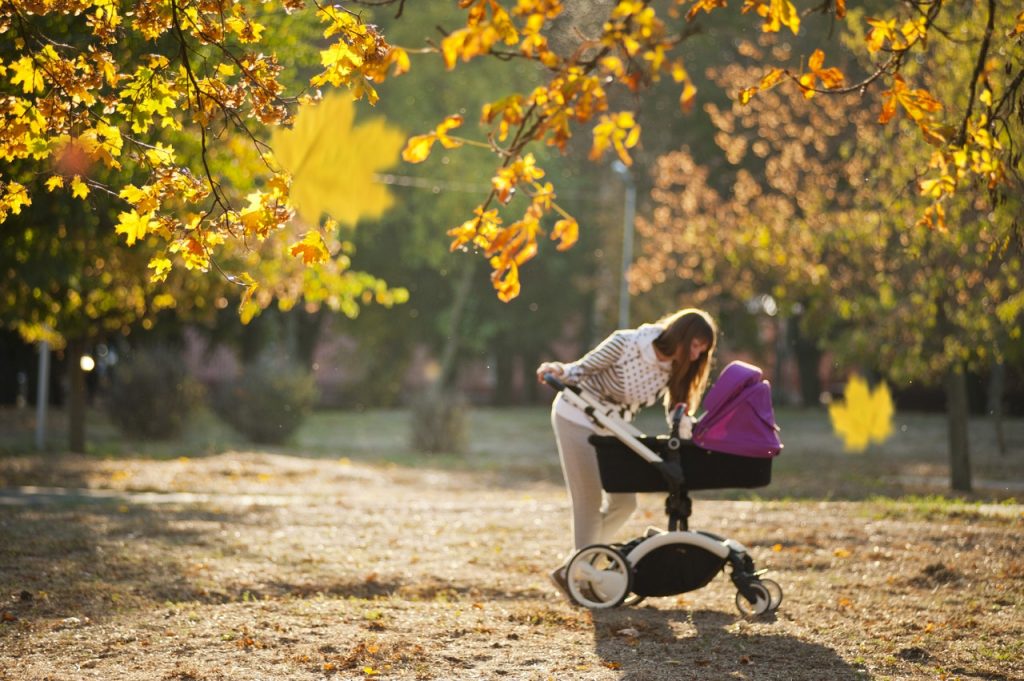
(705, 644)
(93, 557)
(91, 560)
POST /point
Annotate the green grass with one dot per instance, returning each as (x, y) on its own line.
(517, 444)
(937, 507)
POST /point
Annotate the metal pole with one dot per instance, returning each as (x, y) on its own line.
(629, 215)
(42, 394)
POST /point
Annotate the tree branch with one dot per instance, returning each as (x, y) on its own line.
(961, 137)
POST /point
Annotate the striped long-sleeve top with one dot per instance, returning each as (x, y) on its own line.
(623, 371)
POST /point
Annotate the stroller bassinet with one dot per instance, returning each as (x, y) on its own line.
(733, 442)
(623, 471)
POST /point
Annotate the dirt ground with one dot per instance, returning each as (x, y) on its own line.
(259, 566)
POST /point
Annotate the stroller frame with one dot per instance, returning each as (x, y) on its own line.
(659, 563)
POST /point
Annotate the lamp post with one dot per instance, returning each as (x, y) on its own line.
(42, 394)
(629, 214)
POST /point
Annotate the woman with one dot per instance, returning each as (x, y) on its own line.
(629, 370)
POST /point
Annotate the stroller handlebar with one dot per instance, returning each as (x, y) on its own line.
(557, 383)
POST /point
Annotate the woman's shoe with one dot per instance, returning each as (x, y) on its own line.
(560, 580)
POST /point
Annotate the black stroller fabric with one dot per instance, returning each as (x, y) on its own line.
(623, 470)
(674, 569)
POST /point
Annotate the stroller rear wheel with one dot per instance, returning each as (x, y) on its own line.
(599, 577)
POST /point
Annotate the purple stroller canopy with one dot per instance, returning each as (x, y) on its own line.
(739, 418)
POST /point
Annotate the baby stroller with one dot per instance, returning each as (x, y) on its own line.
(732, 446)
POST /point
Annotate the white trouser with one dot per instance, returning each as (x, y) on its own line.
(596, 514)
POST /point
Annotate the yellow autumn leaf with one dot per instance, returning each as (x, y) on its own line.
(400, 58)
(687, 97)
(55, 182)
(79, 189)
(776, 13)
(566, 232)
(417, 149)
(247, 307)
(140, 199)
(26, 73)
(864, 416)
(618, 131)
(881, 30)
(15, 197)
(333, 161)
(311, 248)
(160, 266)
(160, 154)
(134, 226)
(771, 79)
(449, 123)
(452, 45)
(506, 282)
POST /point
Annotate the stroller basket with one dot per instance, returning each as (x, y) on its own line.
(623, 471)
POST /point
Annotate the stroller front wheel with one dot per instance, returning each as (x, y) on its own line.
(774, 592)
(761, 603)
(599, 577)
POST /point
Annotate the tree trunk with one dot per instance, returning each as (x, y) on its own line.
(808, 357)
(956, 412)
(449, 355)
(996, 388)
(307, 336)
(76, 396)
(780, 391)
(504, 374)
(439, 415)
(532, 395)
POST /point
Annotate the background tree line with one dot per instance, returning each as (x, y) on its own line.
(806, 200)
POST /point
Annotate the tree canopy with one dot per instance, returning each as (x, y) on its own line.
(102, 84)
(807, 202)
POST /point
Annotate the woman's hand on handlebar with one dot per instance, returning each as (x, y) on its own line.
(554, 368)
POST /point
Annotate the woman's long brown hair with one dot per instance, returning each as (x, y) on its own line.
(688, 379)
